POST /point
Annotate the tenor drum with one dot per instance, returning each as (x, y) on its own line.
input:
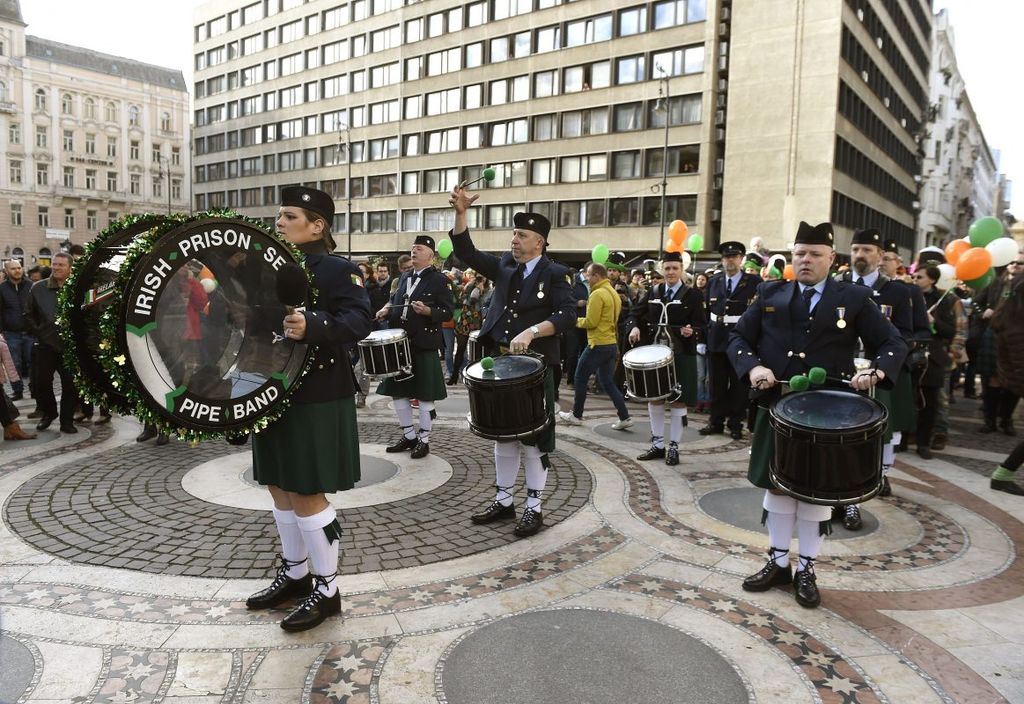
(650, 372)
(507, 402)
(828, 446)
(474, 350)
(386, 353)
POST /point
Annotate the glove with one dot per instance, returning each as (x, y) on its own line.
(702, 348)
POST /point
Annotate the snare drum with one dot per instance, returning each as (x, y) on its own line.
(474, 350)
(507, 402)
(650, 372)
(386, 353)
(828, 446)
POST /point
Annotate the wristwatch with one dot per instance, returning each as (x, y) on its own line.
(535, 330)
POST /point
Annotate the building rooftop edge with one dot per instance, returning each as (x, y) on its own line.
(82, 57)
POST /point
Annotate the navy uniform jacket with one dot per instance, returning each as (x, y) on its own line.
(770, 334)
(724, 312)
(432, 289)
(895, 300)
(339, 319)
(544, 295)
(687, 308)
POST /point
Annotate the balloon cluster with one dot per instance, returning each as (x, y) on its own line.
(678, 240)
(974, 258)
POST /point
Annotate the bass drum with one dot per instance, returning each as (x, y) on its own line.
(200, 328)
(828, 446)
(507, 402)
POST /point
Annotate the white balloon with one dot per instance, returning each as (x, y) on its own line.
(209, 285)
(948, 277)
(686, 260)
(1003, 251)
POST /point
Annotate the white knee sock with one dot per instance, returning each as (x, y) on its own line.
(404, 412)
(808, 534)
(292, 547)
(323, 548)
(780, 533)
(536, 475)
(426, 420)
(506, 470)
(657, 413)
(889, 451)
(676, 425)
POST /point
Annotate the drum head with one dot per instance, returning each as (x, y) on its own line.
(828, 409)
(200, 328)
(506, 368)
(647, 356)
(381, 337)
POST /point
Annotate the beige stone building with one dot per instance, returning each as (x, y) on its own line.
(86, 138)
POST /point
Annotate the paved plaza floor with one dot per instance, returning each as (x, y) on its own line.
(124, 568)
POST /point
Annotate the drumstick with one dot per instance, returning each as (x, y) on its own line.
(488, 176)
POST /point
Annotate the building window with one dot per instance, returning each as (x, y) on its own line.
(440, 180)
(40, 99)
(111, 180)
(91, 221)
(511, 132)
(677, 12)
(507, 175)
(588, 31)
(676, 208)
(41, 136)
(69, 177)
(629, 69)
(382, 185)
(90, 109)
(69, 218)
(112, 147)
(176, 188)
(69, 140)
(386, 148)
(678, 62)
(591, 167)
(158, 187)
(66, 105)
(14, 133)
(44, 216)
(632, 21)
(681, 160)
(42, 174)
(133, 150)
(623, 211)
(133, 116)
(683, 110)
(165, 121)
(542, 172)
(90, 144)
(411, 182)
(16, 214)
(628, 117)
(90, 179)
(410, 220)
(580, 123)
(581, 213)
(14, 171)
(443, 141)
(545, 84)
(135, 184)
(110, 112)
(626, 165)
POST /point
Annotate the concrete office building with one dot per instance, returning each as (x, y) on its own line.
(86, 138)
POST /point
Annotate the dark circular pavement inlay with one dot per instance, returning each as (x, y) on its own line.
(373, 470)
(126, 508)
(596, 657)
(742, 507)
(17, 668)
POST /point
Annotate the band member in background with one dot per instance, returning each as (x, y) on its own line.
(727, 296)
(814, 321)
(530, 305)
(313, 448)
(670, 313)
(420, 304)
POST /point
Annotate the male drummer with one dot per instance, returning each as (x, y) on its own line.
(421, 302)
(793, 326)
(670, 313)
(530, 305)
(727, 295)
(894, 300)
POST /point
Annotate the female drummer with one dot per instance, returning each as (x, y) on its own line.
(686, 322)
(313, 449)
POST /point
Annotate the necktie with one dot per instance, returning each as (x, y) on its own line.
(728, 287)
(860, 280)
(520, 272)
(808, 294)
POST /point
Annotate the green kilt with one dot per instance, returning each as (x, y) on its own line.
(312, 449)
(899, 401)
(762, 447)
(426, 382)
(545, 439)
(686, 375)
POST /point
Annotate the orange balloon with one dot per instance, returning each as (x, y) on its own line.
(673, 246)
(788, 274)
(973, 264)
(677, 231)
(955, 249)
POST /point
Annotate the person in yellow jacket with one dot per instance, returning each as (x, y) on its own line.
(601, 322)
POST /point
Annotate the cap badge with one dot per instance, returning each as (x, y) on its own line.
(305, 197)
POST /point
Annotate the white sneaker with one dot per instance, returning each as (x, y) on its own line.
(622, 424)
(568, 418)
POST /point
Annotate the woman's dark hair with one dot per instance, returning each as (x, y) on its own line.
(933, 273)
(313, 217)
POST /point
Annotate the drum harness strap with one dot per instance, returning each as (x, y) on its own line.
(410, 285)
(663, 334)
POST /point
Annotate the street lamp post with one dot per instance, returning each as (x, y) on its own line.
(663, 105)
(348, 182)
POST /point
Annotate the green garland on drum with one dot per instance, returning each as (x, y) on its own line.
(114, 357)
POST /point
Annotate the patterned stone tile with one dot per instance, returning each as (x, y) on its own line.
(346, 674)
(137, 676)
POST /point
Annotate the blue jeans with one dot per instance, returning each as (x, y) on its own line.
(20, 344)
(599, 360)
(702, 378)
(449, 349)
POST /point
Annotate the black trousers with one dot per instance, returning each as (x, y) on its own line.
(47, 361)
(728, 394)
(926, 415)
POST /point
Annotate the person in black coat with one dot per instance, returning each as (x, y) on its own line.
(421, 302)
(530, 305)
(942, 317)
(792, 327)
(313, 448)
(727, 295)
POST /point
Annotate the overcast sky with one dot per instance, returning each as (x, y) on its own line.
(988, 37)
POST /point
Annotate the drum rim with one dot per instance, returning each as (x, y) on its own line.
(774, 415)
(376, 337)
(817, 500)
(666, 361)
(540, 370)
(510, 436)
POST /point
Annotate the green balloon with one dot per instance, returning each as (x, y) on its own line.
(444, 248)
(599, 254)
(982, 281)
(817, 376)
(984, 230)
(487, 363)
(799, 383)
(695, 243)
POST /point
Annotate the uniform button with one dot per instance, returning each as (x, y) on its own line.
(325, 322)
(321, 366)
(802, 355)
(332, 360)
(790, 353)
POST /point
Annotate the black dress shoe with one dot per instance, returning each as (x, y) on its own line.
(529, 523)
(711, 430)
(1007, 428)
(851, 518)
(653, 453)
(421, 450)
(282, 589)
(44, 422)
(162, 439)
(987, 428)
(771, 575)
(886, 490)
(806, 590)
(495, 512)
(314, 610)
(35, 414)
(939, 442)
(924, 452)
(672, 455)
(736, 434)
(148, 433)
(1007, 486)
(68, 428)
(402, 445)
